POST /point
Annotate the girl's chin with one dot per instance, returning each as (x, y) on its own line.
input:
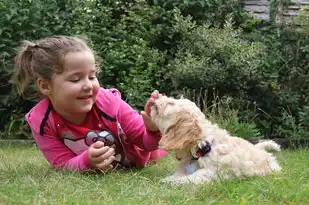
(83, 108)
(86, 108)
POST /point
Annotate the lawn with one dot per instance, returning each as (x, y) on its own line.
(26, 178)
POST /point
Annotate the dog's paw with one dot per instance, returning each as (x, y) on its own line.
(175, 181)
(168, 179)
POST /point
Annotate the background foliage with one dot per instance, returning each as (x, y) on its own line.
(252, 81)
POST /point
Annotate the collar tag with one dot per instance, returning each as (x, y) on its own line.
(189, 168)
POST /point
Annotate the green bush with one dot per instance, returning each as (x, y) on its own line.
(121, 35)
(220, 110)
(282, 91)
(214, 12)
(23, 20)
(209, 47)
(214, 58)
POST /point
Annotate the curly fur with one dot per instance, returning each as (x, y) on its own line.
(185, 128)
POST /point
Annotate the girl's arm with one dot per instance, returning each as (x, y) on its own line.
(58, 155)
(133, 126)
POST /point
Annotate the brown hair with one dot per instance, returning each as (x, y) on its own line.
(44, 58)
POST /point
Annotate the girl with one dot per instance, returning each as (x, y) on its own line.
(78, 125)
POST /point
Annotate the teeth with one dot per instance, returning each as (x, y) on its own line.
(202, 144)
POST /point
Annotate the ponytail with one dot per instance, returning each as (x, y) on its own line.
(24, 72)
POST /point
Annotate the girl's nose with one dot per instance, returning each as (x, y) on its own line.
(87, 84)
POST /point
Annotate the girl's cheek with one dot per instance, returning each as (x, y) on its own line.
(96, 88)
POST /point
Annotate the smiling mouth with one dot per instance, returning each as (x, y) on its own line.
(85, 97)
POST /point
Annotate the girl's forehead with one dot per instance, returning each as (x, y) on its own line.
(78, 59)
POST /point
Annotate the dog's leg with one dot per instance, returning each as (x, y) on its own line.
(179, 173)
(198, 177)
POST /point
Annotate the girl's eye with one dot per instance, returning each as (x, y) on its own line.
(74, 80)
(92, 78)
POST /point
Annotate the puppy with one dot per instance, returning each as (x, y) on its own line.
(205, 151)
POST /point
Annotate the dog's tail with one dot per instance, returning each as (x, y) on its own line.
(268, 145)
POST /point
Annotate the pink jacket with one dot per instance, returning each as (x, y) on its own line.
(116, 114)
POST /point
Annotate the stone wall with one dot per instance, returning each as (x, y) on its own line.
(261, 8)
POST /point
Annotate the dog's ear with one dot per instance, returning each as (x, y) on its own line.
(185, 132)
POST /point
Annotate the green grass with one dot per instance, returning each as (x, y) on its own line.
(26, 178)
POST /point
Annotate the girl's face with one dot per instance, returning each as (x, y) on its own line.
(74, 91)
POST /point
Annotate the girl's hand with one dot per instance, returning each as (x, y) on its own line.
(100, 156)
(150, 125)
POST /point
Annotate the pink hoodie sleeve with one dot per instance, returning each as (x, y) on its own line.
(133, 125)
(58, 155)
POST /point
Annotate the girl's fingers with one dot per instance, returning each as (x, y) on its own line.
(148, 105)
(98, 144)
(149, 124)
(106, 164)
(110, 152)
(94, 153)
(154, 94)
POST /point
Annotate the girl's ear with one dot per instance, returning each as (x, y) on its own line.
(43, 86)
